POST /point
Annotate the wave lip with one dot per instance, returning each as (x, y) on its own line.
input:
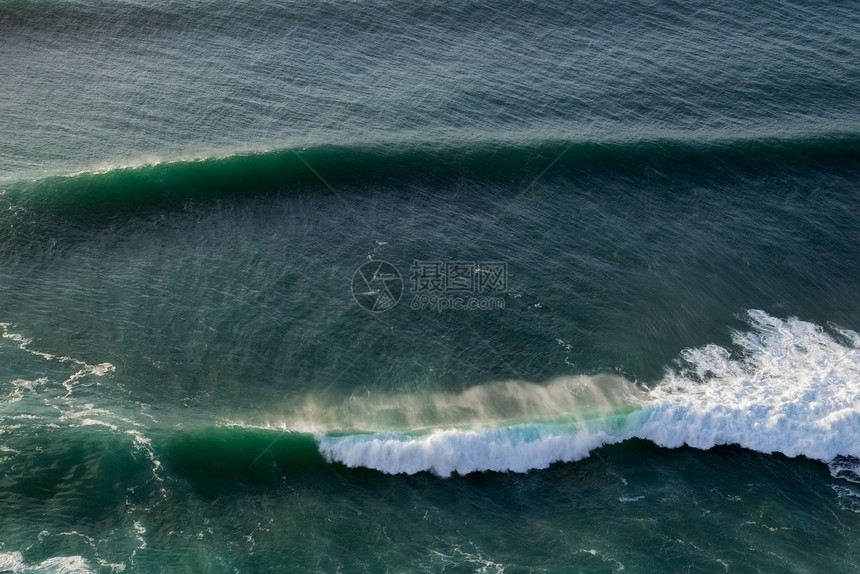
(518, 448)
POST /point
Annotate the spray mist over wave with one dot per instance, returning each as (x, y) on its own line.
(565, 399)
(508, 426)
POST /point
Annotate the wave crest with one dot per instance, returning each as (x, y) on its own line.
(171, 183)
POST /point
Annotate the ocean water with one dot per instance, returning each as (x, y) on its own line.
(460, 286)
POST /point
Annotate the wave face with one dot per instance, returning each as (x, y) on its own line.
(786, 386)
(169, 183)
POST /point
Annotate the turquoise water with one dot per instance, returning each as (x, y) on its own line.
(461, 286)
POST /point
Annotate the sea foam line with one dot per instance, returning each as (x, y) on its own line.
(84, 369)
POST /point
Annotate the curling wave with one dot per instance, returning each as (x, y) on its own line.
(787, 386)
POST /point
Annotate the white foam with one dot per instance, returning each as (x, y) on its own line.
(475, 559)
(518, 448)
(95, 422)
(789, 387)
(11, 562)
(20, 387)
(845, 467)
(14, 562)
